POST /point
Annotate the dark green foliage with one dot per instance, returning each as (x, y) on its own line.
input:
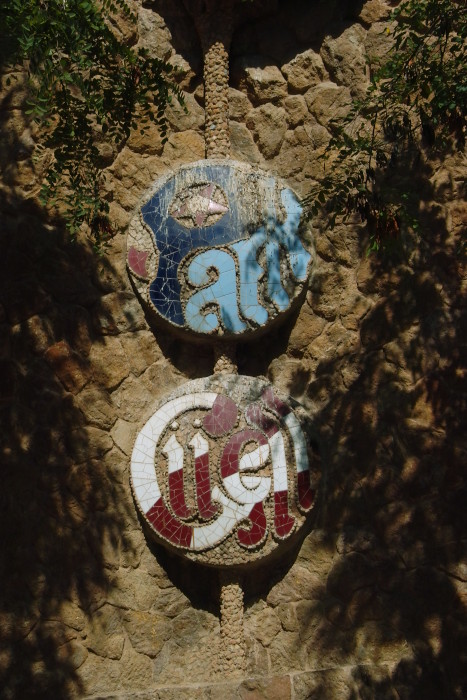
(415, 106)
(85, 86)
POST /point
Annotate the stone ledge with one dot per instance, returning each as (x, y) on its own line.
(342, 681)
(267, 688)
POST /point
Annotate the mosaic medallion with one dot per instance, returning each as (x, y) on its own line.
(217, 249)
(221, 471)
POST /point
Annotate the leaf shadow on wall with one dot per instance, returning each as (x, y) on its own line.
(391, 414)
(62, 516)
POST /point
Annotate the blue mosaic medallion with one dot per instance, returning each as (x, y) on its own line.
(217, 249)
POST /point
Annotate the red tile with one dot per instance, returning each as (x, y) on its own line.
(306, 494)
(274, 403)
(283, 522)
(256, 416)
(253, 536)
(167, 526)
(206, 507)
(231, 456)
(222, 417)
(137, 260)
(177, 495)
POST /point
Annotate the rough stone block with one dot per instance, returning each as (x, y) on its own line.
(272, 688)
(123, 434)
(23, 298)
(269, 125)
(242, 143)
(148, 143)
(105, 636)
(96, 406)
(239, 105)
(141, 350)
(69, 367)
(263, 83)
(187, 116)
(296, 109)
(108, 362)
(118, 312)
(88, 443)
(266, 626)
(147, 631)
(328, 101)
(344, 58)
(345, 683)
(305, 70)
(298, 584)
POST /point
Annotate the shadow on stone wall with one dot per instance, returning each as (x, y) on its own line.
(61, 512)
(282, 29)
(391, 415)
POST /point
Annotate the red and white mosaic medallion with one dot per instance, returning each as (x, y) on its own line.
(221, 471)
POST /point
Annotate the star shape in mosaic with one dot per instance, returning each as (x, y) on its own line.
(199, 205)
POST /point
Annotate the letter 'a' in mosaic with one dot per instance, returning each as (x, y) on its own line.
(221, 471)
(217, 249)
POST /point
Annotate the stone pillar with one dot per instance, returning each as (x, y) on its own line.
(232, 659)
(225, 358)
(213, 19)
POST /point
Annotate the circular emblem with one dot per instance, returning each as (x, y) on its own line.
(217, 250)
(221, 471)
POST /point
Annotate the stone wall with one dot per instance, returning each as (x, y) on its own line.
(372, 605)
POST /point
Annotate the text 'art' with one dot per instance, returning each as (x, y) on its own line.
(216, 249)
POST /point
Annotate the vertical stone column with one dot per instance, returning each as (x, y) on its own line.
(233, 658)
(213, 19)
(225, 358)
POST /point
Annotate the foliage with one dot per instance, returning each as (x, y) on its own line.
(415, 105)
(85, 86)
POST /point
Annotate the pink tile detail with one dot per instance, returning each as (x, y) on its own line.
(222, 417)
(256, 416)
(208, 190)
(216, 208)
(275, 404)
(200, 218)
(137, 261)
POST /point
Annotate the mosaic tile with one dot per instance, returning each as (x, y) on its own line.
(230, 460)
(206, 508)
(255, 416)
(222, 417)
(221, 245)
(255, 458)
(137, 261)
(284, 523)
(168, 526)
(220, 471)
(177, 495)
(279, 461)
(254, 535)
(305, 493)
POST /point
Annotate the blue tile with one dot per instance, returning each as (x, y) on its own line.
(232, 245)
